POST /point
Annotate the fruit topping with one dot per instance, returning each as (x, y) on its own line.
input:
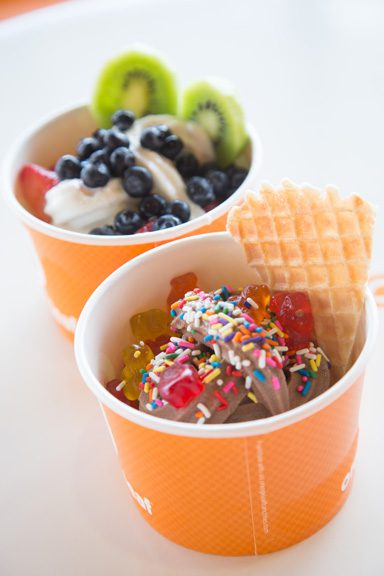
(153, 205)
(86, 147)
(154, 137)
(114, 138)
(138, 81)
(219, 182)
(123, 119)
(106, 230)
(127, 222)
(200, 191)
(213, 105)
(166, 221)
(152, 166)
(100, 157)
(172, 147)
(137, 182)
(35, 182)
(187, 165)
(148, 227)
(179, 209)
(95, 175)
(236, 176)
(68, 167)
(120, 159)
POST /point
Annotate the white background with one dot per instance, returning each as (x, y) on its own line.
(311, 76)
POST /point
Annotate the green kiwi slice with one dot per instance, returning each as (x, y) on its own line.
(136, 80)
(212, 104)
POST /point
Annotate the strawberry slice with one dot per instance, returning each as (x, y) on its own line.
(148, 227)
(34, 182)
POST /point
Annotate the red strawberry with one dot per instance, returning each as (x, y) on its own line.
(211, 205)
(148, 227)
(35, 181)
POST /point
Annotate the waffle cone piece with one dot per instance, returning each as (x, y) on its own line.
(300, 239)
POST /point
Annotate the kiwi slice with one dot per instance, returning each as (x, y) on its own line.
(212, 104)
(136, 80)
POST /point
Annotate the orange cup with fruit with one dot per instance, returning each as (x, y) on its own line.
(143, 164)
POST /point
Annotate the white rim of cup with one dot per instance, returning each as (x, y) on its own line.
(206, 219)
(241, 429)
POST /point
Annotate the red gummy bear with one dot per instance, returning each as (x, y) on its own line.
(180, 384)
(34, 182)
(180, 285)
(155, 345)
(119, 394)
(294, 312)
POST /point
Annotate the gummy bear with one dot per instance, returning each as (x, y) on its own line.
(150, 325)
(113, 386)
(254, 300)
(136, 357)
(294, 312)
(180, 384)
(180, 285)
(155, 345)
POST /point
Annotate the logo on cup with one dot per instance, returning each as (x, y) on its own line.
(347, 478)
(144, 502)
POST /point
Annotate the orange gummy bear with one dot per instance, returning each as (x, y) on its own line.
(254, 300)
(180, 285)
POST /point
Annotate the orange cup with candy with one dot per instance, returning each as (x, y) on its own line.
(141, 166)
(240, 488)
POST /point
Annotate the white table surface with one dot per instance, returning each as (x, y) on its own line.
(311, 75)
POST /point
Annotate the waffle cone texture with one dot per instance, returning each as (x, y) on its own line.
(298, 238)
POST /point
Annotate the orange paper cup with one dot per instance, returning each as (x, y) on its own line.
(75, 264)
(231, 489)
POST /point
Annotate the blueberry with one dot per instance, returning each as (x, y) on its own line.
(236, 176)
(95, 175)
(172, 147)
(100, 134)
(115, 138)
(137, 181)
(220, 183)
(154, 137)
(100, 157)
(123, 119)
(200, 191)
(179, 209)
(120, 159)
(166, 221)
(86, 147)
(127, 222)
(153, 205)
(68, 167)
(187, 165)
(207, 167)
(104, 231)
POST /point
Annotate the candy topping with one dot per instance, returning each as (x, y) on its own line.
(179, 384)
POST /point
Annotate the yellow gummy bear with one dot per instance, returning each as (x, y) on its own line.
(136, 357)
(151, 324)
